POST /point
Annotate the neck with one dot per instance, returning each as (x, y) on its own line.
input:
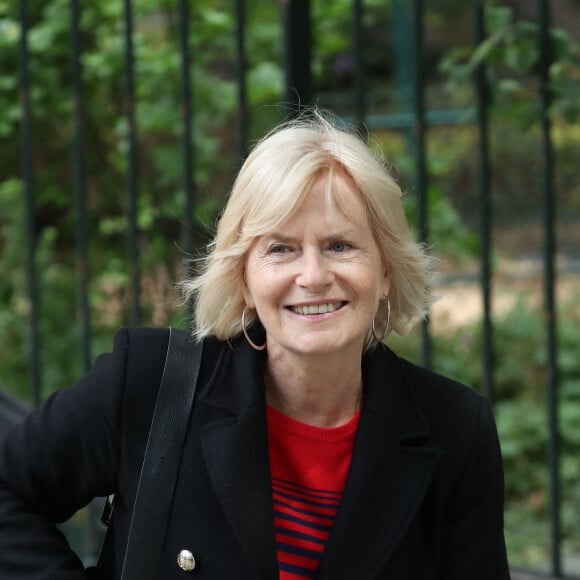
(314, 390)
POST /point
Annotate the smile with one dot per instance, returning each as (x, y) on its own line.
(317, 308)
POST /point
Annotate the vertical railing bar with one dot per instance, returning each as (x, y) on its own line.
(297, 24)
(28, 181)
(79, 188)
(241, 67)
(132, 174)
(484, 196)
(549, 287)
(359, 74)
(401, 22)
(420, 157)
(188, 153)
(81, 230)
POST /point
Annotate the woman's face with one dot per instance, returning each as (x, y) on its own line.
(317, 280)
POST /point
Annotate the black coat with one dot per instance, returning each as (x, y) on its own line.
(423, 498)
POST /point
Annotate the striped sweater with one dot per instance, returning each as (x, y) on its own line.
(309, 466)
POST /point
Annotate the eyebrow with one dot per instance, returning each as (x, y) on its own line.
(276, 237)
(283, 238)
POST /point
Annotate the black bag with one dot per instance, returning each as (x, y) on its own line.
(160, 464)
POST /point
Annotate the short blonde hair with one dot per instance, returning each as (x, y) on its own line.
(272, 183)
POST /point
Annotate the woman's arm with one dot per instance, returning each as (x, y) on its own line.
(472, 536)
(53, 464)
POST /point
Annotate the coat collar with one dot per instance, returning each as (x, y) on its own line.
(389, 474)
(236, 453)
(387, 393)
(389, 396)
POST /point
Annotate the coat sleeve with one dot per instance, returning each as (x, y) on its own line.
(54, 463)
(472, 536)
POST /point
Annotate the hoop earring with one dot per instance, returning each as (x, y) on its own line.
(252, 344)
(387, 325)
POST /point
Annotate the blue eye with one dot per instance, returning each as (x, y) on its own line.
(278, 249)
(340, 247)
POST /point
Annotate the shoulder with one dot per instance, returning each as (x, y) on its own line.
(444, 395)
(459, 420)
(142, 352)
(137, 358)
(137, 340)
(149, 341)
(428, 389)
(452, 414)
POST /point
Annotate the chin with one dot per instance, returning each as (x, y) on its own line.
(326, 348)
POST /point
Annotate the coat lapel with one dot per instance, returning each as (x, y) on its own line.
(388, 476)
(236, 455)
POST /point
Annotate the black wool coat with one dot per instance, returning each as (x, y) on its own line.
(423, 497)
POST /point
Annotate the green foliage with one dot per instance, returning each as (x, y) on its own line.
(518, 333)
(448, 235)
(511, 56)
(55, 279)
(160, 161)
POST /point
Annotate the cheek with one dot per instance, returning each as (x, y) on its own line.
(260, 287)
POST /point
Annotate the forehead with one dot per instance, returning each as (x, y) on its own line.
(272, 209)
(335, 193)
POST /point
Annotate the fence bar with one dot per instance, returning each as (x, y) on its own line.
(420, 155)
(188, 152)
(359, 72)
(89, 537)
(484, 195)
(549, 288)
(241, 67)
(296, 20)
(132, 176)
(28, 182)
(401, 23)
(79, 188)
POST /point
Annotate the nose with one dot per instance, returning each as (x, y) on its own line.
(314, 271)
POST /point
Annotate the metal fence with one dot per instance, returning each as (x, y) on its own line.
(296, 49)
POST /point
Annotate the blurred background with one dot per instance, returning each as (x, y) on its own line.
(122, 126)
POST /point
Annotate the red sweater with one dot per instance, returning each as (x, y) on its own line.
(309, 466)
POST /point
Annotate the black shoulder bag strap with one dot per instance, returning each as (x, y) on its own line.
(162, 457)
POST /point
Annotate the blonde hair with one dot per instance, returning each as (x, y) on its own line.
(272, 183)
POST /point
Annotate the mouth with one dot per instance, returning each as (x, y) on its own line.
(310, 309)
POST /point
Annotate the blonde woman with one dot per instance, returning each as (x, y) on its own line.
(313, 450)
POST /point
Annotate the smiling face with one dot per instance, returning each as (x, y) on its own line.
(316, 281)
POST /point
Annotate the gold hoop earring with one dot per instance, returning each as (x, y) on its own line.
(387, 325)
(252, 344)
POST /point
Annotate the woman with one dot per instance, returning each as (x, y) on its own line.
(313, 451)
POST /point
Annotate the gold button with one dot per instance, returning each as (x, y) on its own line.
(186, 561)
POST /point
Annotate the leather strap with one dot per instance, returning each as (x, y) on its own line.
(162, 457)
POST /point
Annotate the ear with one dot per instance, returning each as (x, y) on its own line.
(246, 293)
(248, 300)
(386, 284)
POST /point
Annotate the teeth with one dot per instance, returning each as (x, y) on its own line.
(317, 308)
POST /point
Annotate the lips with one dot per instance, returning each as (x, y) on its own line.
(309, 309)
